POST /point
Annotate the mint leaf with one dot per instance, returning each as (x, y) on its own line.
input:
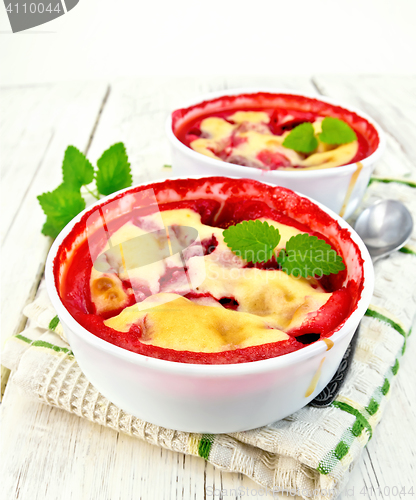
(60, 206)
(302, 138)
(307, 255)
(51, 228)
(113, 170)
(77, 170)
(252, 240)
(335, 131)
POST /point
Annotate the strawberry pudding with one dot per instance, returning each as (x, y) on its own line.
(149, 271)
(313, 145)
(251, 130)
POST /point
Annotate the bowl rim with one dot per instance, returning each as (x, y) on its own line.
(213, 370)
(304, 174)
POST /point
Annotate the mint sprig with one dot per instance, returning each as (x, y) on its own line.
(335, 131)
(253, 241)
(307, 255)
(113, 170)
(66, 201)
(77, 171)
(302, 138)
(304, 255)
(60, 206)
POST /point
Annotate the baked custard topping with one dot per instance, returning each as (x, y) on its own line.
(245, 138)
(266, 303)
(206, 328)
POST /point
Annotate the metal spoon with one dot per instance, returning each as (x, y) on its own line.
(384, 227)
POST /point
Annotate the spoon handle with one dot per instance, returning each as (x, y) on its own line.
(331, 391)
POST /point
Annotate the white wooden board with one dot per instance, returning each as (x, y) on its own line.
(49, 454)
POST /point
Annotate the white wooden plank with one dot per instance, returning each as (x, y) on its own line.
(26, 131)
(38, 128)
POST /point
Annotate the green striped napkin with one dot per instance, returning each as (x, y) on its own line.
(310, 453)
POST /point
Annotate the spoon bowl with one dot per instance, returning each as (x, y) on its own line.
(384, 227)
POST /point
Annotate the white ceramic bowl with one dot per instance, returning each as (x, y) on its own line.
(207, 398)
(337, 188)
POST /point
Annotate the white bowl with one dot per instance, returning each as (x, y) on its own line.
(208, 398)
(337, 188)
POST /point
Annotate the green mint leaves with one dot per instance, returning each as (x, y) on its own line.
(307, 255)
(302, 138)
(252, 240)
(113, 170)
(76, 169)
(60, 206)
(304, 255)
(66, 201)
(334, 131)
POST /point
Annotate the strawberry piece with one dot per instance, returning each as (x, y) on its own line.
(273, 160)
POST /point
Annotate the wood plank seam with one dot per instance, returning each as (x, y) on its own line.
(97, 120)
